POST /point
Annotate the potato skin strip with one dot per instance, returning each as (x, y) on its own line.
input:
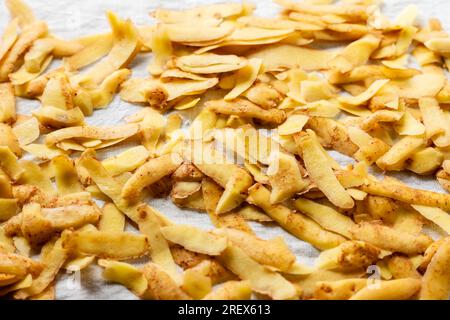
(107, 245)
(9, 163)
(325, 216)
(59, 118)
(245, 77)
(27, 131)
(126, 274)
(395, 157)
(198, 33)
(399, 289)
(142, 215)
(35, 228)
(390, 239)
(100, 133)
(349, 256)
(112, 219)
(126, 46)
(160, 285)
(90, 53)
(231, 290)
(338, 290)
(348, 10)
(261, 279)
(20, 11)
(296, 224)
(18, 265)
(71, 216)
(210, 63)
(332, 134)
(8, 209)
(435, 281)
(436, 215)
(212, 193)
(9, 139)
(9, 37)
(128, 160)
(25, 40)
(407, 194)
(366, 95)
(355, 54)
(24, 283)
(435, 121)
(320, 171)
(150, 225)
(162, 50)
(247, 109)
(287, 180)
(66, 176)
(194, 239)
(53, 261)
(272, 252)
(7, 103)
(286, 56)
(149, 173)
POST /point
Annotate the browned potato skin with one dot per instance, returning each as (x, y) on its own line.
(161, 188)
(337, 290)
(402, 267)
(188, 172)
(7, 103)
(161, 286)
(230, 290)
(381, 208)
(24, 265)
(264, 95)
(35, 227)
(211, 195)
(246, 109)
(332, 135)
(36, 86)
(399, 289)
(266, 252)
(436, 280)
(390, 239)
(443, 178)
(308, 283)
(187, 259)
(298, 225)
(355, 255)
(406, 194)
(194, 201)
(429, 254)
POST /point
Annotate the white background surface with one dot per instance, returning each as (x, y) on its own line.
(70, 19)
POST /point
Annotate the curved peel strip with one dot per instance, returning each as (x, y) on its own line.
(261, 279)
(210, 63)
(245, 78)
(126, 45)
(194, 239)
(101, 133)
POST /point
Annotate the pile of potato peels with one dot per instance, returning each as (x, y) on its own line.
(270, 97)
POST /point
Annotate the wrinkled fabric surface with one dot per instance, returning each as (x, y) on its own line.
(70, 19)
